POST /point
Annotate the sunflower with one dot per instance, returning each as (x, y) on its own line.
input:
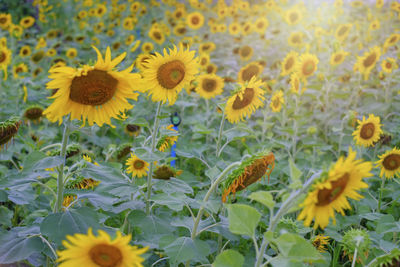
(157, 35)
(165, 172)
(132, 129)
(277, 101)
(250, 171)
(379, 3)
(92, 251)
(374, 25)
(293, 16)
(18, 69)
(296, 39)
(367, 62)
(245, 52)
(136, 166)
(167, 140)
(71, 53)
(389, 163)
(16, 30)
(295, 84)
(338, 57)
(147, 47)
(306, 65)
(320, 241)
(179, 13)
(209, 85)
(38, 56)
(206, 47)
(8, 129)
(391, 40)
(342, 181)
(27, 22)
(204, 60)
(389, 64)
(211, 68)
(180, 30)
(141, 61)
(289, 63)
(245, 100)
(96, 93)
(5, 59)
(166, 75)
(260, 25)
(234, 28)
(5, 20)
(51, 52)
(342, 31)
(368, 131)
(195, 20)
(253, 69)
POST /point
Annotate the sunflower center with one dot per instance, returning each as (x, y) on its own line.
(276, 102)
(38, 56)
(245, 51)
(2, 56)
(391, 162)
(34, 113)
(195, 20)
(138, 164)
(96, 88)
(393, 39)
(293, 17)
(370, 60)
(289, 63)
(249, 72)
(308, 68)
(342, 31)
(3, 20)
(326, 196)
(247, 98)
(178, 14)
(181, 30)
(209, 85)
(106, 255)
(132, 127)
(367, 131)
(296, 39)
(157, 35)
(388, 65)
(338, 58)
(170, 74)
(260, 25)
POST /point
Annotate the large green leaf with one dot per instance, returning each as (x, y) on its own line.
(229, 258)
(184, 249)
(264, 198)
(243, 219)
(295, 174)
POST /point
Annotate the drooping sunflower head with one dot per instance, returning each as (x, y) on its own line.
(356, 239)
(253, 69)
(250, 171)
(168, 138)
(306, 65)
(245, 100)
(33, 113)
(330, 193)
(388, 260)
(93, 93)
(8, 129)
(209, 85)
(277, 101)
(389, 163)
(295, 84)
(368, 131)
(101, 250)
(132, 129)
(391, 40)
(137, 166)
(123, 150)
(289, 63)
(165, 172)
(166, 75)
(320, 241)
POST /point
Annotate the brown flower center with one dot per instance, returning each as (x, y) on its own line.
(249, 72)
(296, 39)
(178, 14)
(3, 56)
(157, 36)
(247, 98)
(7, 133)
(393, 39)
(96, 88)
(338, 58)
(164, 173)
(289, 63)
(276, 102)
(170, 74)
(327, 196)
(260, 25)
(195, 20)
(367, 130)
(209, 85)
(370, 60)
(105, 255)
(37, 56)
(210, 69)
(181, 30)
(293, 17)
(391, 162)
(132, 127)
(3, 20)
(342, 30)
(245, 51)
(138, 164)
(388, 65)
(34, 113)
(308, 68)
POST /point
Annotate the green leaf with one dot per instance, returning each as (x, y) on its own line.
(295, 174)
(297, 248)
(48, 162)
(264, 198)
(184, 249)
(229, 258)
(174, 201)
(57, 225)
(5, 216)
(243, 219)
(152, 226)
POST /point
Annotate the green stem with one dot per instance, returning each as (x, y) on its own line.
(60, 181)
(153, 146)
(207, 196)
(221, 126)
(355, 254)
(380, 194)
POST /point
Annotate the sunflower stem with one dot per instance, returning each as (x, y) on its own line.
(221, 127)
(380, 194)
(355, 253)
(153, 146)
(207, 196)
(60, 178)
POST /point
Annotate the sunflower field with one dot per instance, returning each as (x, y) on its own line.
(221, 133)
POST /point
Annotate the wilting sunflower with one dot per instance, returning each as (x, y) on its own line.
(389, 163)
(96, 93)
(368, 61)
(293, 16)
(38, 56)
(91, 251)
(195, 20)
(33, 113)
(167, 74)
(338, 57)
(320, 241)
(245, 52)
(250, 171)
(8, 129)
(165, 172)
(245, 100)
(306, 65)
(342, 31)
(368, 131)
(289, 63)
(253, 69)
(277, 101)
(330, 194)
(5, 59)
(389, 64)
(132, 129)
(209, 85)
(136, 166)
(167, 140)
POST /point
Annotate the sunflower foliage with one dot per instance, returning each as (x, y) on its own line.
(287, 152)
